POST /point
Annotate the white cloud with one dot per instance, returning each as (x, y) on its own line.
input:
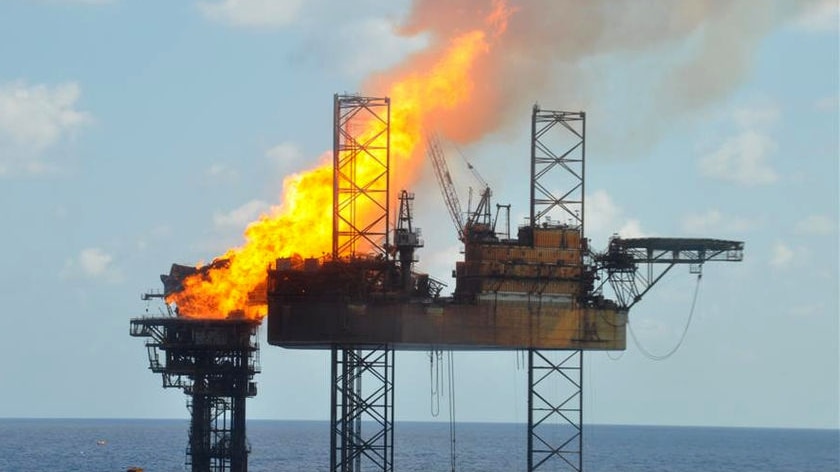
(285, 155)
(241, 216)
(92, 263)
(816, 224)
(631, 229)
(34, 118)
(218, 172)
(742, 159)
(604, 218)
(715, 221)
(782, 255)
(253, 13)
(820, 16)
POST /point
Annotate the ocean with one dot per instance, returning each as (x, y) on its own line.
(159, 445)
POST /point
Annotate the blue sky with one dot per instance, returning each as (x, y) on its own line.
(137, 134)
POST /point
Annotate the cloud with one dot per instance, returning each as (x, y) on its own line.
(241, 216)
(782, 255)
(821, 16)
(714, 220)
(221, 172)
(743, 158)
(252, 13)
(817, 225)
(92, 263)
(631, 229)
(286, 156)
(34, 118)
(604, 218)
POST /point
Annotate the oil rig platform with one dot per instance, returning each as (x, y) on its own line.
(541, 292)
(544, 291)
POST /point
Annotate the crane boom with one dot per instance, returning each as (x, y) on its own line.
(435, 152)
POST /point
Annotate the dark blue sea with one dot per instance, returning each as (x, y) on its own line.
(69, 445)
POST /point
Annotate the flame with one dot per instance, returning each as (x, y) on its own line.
(302, 225)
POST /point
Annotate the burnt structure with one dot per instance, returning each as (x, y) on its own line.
(541, 292)
(214, 362)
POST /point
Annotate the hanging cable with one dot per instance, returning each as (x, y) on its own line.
(662, 357)
(435, 381)
(451, 366)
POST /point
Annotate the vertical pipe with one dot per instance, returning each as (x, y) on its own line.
(389, 407)
(336, 156)
(200, 429)
(530, 410)
(580, 408)
(388, 173)
(333, 407)
(356, 411)
(239, 452)
(583, 180)
(533, 165)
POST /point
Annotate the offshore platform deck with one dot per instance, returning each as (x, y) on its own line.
(528, 293)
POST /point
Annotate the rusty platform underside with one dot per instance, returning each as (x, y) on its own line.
(492, 325)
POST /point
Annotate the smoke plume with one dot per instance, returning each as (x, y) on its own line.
(550, 51)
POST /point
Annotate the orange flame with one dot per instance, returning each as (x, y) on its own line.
(302, 224)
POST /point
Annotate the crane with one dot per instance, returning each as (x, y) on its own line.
(434, 151)
(479, 225)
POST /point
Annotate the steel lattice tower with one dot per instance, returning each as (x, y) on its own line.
(555, 385)
(362, 390)
(361, 154)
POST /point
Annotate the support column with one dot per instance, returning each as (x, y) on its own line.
(362, 414)
(555, 410)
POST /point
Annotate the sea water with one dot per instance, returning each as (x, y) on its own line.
(159, 445)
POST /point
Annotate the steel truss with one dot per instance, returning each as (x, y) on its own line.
(555, 410)
(361, 154)
(214, 362)
(362, 417)
(624, 258)
(558, 151)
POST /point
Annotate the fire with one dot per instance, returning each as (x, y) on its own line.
(302, 225)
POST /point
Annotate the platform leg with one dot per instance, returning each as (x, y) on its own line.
(362, 416)
(555, 410)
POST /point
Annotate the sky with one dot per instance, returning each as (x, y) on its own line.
(138, 134)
